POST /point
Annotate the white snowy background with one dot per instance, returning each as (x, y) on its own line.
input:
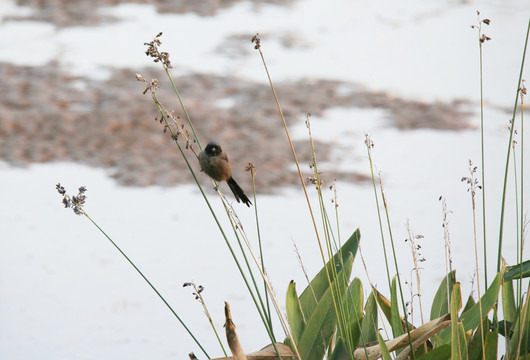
(65, 292)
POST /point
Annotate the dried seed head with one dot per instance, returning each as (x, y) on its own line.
(60, 189)
(76, 202)
(484, 38)
(152, 51)
(251, 167)
(256, 39)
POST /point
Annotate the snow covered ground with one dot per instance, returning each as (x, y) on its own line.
(65, 293)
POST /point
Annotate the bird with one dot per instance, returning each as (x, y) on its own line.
(214, 163)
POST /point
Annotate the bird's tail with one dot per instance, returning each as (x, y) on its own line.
(238, 192)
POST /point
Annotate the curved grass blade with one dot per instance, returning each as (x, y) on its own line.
(295, 316)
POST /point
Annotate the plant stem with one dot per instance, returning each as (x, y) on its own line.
(173, 135)
(183, 107)
(149, 283)
(253, 175)
(505, 183)
(396, 266)
(369, 145)
(483, 167)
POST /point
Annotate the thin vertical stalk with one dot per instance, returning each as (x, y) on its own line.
(253, 175)
(483, 169)
(472, 182)
(396, 266)
(505, 183)
(258, 47)
(337, 300)
(369, 145)
(520, 220)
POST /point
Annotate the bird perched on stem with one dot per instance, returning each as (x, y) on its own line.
(214, 163)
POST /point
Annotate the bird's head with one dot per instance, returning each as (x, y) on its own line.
(212, 149)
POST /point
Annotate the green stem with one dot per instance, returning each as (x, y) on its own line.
(520, 221)
(397, 269)
(483, 170)
(183, 107)
(160, 109)
(148, 282)
(268, 312)
(368, 147)
(501, 228)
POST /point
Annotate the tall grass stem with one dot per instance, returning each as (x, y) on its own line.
(148, 282)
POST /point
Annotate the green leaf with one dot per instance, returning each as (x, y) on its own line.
(475, 345)
(471, 318)
(439, 353)
(469, 304)
(458, 337)
(319, 285)
(322, 323)
(294, 313)
(340, 353)
(395, 318)
(440, 304)
(491, 345)
(521, 334)
(506, 328)
(509, 308)
(384, 304)
(369, 324)
(353, 312)
(384, 349)
(516, 271)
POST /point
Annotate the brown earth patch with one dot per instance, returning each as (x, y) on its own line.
(64, 13)
(47, 115)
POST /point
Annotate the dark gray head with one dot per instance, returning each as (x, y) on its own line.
(212, 149)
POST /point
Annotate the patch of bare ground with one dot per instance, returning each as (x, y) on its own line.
(47, 115)
(64, 13)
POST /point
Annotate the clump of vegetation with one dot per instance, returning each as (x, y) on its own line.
(330, 317)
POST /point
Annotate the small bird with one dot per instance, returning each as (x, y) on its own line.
(214, 163)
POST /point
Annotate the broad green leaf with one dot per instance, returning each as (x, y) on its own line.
(294, 313)
(515, 271)
(322, 323)
(369, 324)
(439, 353)
(395, 318)
(320, 283)
(384, 349)
(339, 353)
(469, 304)
(352, 312)
(458, 337)
(440, 304)
(509, 308)
(521, 334)
(475, 345)
(384, 305)
(506, 328)
(491, 345)
(471, 318)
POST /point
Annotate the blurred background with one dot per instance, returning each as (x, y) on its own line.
(72, 111)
